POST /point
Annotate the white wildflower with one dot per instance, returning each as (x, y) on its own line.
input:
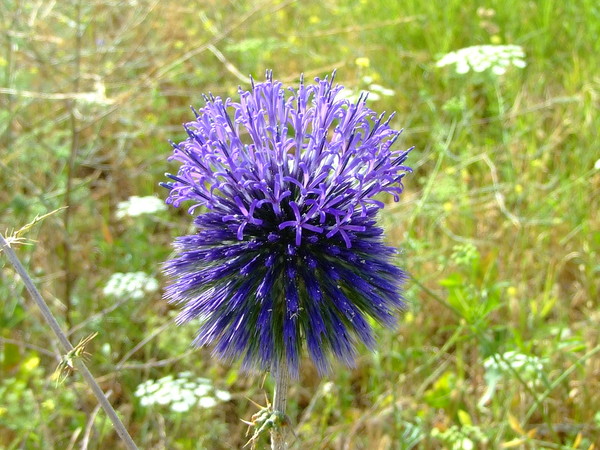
(180, 407)
(133, 285)
(146, 401)
(381, 90)
(464, 444)
(207, 402)
(136, 206)
(498, 367)
(527, 365)
(188, 374)
(480, 58)
(181, 394)
(328, 388)
(224, 396)
(354, 95)
(202, 390)
(374, 90)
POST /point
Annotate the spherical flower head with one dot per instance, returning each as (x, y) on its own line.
(288, 253)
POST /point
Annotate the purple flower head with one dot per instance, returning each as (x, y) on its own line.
(288, 252)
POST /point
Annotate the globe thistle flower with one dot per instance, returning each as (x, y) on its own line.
(288, 253)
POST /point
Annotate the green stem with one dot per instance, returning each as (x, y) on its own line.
(68, 265)
(67, 346)
(432, 177)
(282, 378)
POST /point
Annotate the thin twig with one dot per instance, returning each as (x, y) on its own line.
(155, 363)
(497, 194)
(74, 438)
(429, 187)
(159, 72)
(90, 96)
(37, 348)
(481, 336)
(559, 380)
(90, 425)
(356, 28)
(8, 77)
(147, 339)
(70, 172)
(358, 423)
(97, 316)
(228, 64)
(66, 345)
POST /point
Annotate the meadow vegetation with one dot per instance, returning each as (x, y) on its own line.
(499, 226)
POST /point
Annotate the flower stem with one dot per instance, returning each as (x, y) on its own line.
(67, 346)
(282, 378)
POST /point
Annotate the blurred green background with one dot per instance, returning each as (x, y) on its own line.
(499, 225)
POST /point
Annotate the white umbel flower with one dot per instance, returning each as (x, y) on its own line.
(182, 393)
(501, 367)
(133, 285)
(136, 206)
(481, 58)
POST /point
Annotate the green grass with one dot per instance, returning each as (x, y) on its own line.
(499, 225)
